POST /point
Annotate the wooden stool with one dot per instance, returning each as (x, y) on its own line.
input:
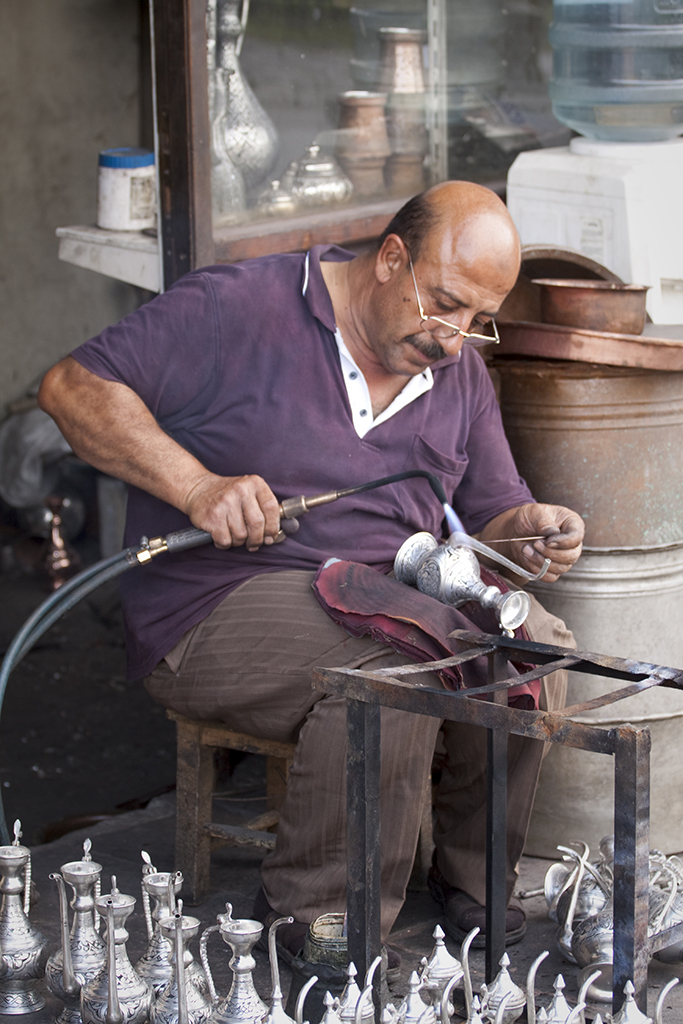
(197, 742)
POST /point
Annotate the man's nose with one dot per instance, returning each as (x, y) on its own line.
(452, 344)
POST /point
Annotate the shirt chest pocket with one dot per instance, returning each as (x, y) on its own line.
(420, 506)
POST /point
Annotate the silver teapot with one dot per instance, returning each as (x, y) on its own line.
(82, 952)
(116, 992)
(502, 988)
(318, 180)
(440, 969)
(414, 1008)
(354, 1004)
(24, 949)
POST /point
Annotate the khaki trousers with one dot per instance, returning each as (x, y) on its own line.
(249, 664)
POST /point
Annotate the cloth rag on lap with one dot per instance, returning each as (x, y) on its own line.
(365, 601)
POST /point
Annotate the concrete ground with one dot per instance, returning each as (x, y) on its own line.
(77, 740)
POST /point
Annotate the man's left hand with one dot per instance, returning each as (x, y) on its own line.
(562, 532)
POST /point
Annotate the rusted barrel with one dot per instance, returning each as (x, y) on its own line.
(608, 442)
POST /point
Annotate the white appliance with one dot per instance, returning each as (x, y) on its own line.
(620, 203)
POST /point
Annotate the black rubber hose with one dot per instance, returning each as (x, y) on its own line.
(434, 483)
(75, 589)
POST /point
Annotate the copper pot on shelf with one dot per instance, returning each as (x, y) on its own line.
(363, 144)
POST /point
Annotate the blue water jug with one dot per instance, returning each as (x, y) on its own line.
(618, 68)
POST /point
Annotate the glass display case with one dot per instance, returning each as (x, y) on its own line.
(283, 123)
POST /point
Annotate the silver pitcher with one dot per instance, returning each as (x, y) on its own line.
(242, 1005)
(450, 573)
(154, 965)
(117, 992)
(351, 1002)
(182, 1001)
(24, 949)
(502, 988)
(249, 136)
(82, 952)
(414, 1008)
(439, 969)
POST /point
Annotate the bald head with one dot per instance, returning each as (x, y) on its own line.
(464, 223)
(470, 225)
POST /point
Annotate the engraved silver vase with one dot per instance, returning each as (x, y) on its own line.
(242, 1005)
(182, 1001)
(82, 952)
(159, 888)
(249, 135)
(24, 949)
(116, 993)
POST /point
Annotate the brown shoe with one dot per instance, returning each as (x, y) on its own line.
(462, 913)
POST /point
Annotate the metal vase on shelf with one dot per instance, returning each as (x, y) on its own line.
(402, 78)
(363, 144)
(82, 952)
(248, 135)
(228, 195)
(24, 949)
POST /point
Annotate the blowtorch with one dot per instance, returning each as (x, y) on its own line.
(75, 589)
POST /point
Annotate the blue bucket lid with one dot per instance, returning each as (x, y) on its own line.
(126, 156)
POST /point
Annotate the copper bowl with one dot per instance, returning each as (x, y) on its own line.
(595, 305)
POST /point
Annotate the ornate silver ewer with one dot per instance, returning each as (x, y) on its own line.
(242, 1005)
(414, 1008)
(182, 1001)
(249, 136)
(117, 992)
(24, 949)
(154, 965)
(502, 988)
(228, 194)
(82, 953)
(450, 573)
(440, 969)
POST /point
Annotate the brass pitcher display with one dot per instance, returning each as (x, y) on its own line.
(117, 992)
(24, 949)
(82, 952)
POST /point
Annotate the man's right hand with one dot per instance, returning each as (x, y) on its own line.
(235, 510)
(108, 425)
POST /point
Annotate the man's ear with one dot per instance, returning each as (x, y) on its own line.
(391, 258)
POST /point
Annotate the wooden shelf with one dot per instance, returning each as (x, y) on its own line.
(339, 226)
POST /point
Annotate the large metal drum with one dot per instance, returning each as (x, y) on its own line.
(608, 442)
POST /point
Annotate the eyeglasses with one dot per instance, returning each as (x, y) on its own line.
(470, 338)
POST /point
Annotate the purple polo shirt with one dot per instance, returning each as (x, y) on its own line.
(241, 368)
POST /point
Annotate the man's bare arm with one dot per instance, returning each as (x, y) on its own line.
(110, 427)
(563, 528)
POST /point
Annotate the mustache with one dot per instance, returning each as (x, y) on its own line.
(432, 350)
